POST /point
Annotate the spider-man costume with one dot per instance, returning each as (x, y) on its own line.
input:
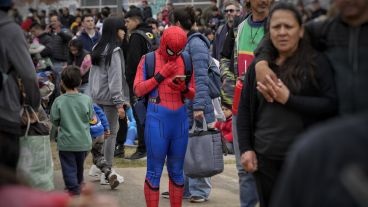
(166, 126)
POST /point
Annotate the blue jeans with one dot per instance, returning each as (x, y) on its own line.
(197, 187)
(72, 169)
(247, 183)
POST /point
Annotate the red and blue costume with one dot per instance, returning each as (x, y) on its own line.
(166, 126)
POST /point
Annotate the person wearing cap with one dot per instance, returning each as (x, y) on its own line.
(138, 46)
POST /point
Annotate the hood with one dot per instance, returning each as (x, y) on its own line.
(144, 27)
(201, 36)
(4, 18)
(172, 43)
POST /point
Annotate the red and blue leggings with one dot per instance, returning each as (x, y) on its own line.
(166, 137)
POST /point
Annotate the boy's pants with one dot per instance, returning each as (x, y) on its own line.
(98, 157)
(72, 168)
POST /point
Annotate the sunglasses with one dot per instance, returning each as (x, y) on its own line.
(230, 10)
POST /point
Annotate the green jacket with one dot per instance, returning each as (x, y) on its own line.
(72, 113)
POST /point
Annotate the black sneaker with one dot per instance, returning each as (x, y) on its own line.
(137, 155)
(165, 195)
(197, 199)
(119, 151)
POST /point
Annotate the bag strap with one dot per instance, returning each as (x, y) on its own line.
(188, 66)
(194, 127)
(25, 109)
(149, 63)
(145, 36)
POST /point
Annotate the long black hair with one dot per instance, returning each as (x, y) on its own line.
(78, 44)
(185, 16)
(109, 40)
(302, 64)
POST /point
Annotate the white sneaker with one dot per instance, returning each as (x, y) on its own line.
(113, 181)
(119, 177)
(103, 180)
(94, 171)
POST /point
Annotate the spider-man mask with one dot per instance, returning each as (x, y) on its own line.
(172, 43)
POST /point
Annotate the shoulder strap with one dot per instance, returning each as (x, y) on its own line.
(144, 35)
(188, 66)
(149, 65)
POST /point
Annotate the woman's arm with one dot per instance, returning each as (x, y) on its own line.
(199, 53)
(115, 76)
(86, 65)
(326, 102)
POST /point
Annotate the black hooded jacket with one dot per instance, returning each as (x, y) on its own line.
(138, 46)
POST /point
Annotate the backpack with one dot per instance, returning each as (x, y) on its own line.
(149, 37)
(214, 84)
(140, 106)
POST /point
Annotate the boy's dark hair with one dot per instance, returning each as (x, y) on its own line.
(152, 21)
(226, 105)
(134, 14)
(71, 77)
(86, 15)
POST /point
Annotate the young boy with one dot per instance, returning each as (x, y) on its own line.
(72, 112)
(226, 129)
(100, 128)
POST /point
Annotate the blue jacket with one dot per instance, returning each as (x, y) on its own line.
(198, 48)
(88, 42)
(101, 124)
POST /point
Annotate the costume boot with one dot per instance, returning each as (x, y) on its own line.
(176, 194)
(151, 194)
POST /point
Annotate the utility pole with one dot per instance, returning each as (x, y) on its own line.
(119, 10)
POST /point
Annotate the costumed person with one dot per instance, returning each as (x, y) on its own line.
(166, 129)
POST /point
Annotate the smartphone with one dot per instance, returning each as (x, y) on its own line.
(179, 78)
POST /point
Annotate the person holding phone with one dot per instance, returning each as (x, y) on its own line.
(166, 126)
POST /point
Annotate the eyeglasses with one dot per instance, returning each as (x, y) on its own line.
(230, 10)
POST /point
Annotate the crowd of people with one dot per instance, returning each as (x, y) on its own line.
(286, 71)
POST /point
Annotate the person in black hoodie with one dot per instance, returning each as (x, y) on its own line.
(305, 95)
(139, 44)
(81, 58)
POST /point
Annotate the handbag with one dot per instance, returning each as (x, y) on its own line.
(204, 156)
(35, 164)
